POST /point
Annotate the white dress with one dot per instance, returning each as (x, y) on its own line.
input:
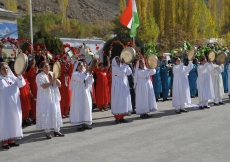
(120, 93)
(181, 92)
(217, 81)
(145, 97)
(204, 82)
(10, 108)
(48, 104)
(81, 102)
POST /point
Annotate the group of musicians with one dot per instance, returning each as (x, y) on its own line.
(39, 94)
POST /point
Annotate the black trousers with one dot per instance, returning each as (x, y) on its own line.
(133, 98)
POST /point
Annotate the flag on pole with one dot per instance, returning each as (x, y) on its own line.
(129, 18)
(49, 55)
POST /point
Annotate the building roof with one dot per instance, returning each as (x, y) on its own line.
(7, 13)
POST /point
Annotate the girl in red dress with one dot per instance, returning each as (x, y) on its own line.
(32, 73)
(25, 98)
(66, 72)
(102, 88)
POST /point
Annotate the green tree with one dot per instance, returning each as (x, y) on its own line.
(53, 44)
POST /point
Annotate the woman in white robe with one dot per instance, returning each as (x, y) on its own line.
(48, 111)
(81, 102)
(145, 97)
(181, 92)
(218, 84)
(120, 95)
(10, 107)
(204, 83)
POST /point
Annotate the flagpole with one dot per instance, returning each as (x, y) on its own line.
(132, 26)
(31, 26)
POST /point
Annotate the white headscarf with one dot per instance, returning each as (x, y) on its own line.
(74, 70)
(114, 63)
(10, 73)
(136, 71)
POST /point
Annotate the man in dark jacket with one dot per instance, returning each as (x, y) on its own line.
(132, 90)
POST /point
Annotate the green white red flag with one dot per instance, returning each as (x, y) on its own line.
(129, 18)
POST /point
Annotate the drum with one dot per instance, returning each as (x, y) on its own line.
(21, 64)
(221, 57)
(128, 54)
(191, 53)
(93, 63)
(152, 61)
(57, 70)
(212, 55)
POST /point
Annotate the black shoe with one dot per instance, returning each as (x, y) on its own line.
(201, 107)
(147, 115)
(221, 103)
(143, 116)
(6, 147)
(165, 99)
(183, 110)
(48, 136)
(192, 96)
(34, 122)
(133, 112)
(26, 123)
(157, 100)
(123, 121)
(177, 112)
(207, 107)
(13, 144)
(216, 104)
(117, 121)
(80, 129)
(87, 126)
(58, 134)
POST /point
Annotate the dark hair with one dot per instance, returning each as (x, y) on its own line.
(175, 59)
(80, 62)
(42, 64)
(202, 58)
(100, 64)
(2, 63)
(140, 61)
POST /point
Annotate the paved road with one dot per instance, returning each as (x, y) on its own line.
(197, 136)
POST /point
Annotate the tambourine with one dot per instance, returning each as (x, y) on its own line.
(21, 64)
(57, 69)
(128, 54)
(212, 55)
(93, 63)
(221, 57)
(152, 61)
(191, 53)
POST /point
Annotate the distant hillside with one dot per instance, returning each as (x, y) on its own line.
(82, 10)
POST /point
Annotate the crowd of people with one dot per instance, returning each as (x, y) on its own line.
(39, 97)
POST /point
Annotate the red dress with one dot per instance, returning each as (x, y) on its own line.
(102, 88)
(33, 87)
(64, 89)
(25, 98)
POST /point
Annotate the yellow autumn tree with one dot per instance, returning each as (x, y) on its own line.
(122, 5)
(27, 5)
(63, 6)
(11, 5)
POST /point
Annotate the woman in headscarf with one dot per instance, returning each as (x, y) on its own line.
(48, 102)
(145, 97)
(10, 107)
(120, 95)
(81, 102)
(181, 92)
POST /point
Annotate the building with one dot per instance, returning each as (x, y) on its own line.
(8, 27)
